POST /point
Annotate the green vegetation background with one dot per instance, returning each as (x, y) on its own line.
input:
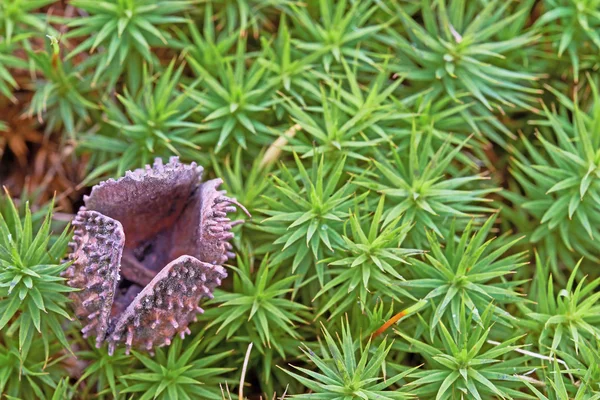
(423, 175)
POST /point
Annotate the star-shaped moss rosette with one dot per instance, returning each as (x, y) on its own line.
(147, 248)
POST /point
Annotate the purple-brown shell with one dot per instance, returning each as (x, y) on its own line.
(147, 248)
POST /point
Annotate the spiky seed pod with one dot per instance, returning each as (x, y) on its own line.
(126, 233)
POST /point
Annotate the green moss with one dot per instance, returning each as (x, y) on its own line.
(422, 175)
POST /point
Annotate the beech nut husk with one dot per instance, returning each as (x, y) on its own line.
(147, 248)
